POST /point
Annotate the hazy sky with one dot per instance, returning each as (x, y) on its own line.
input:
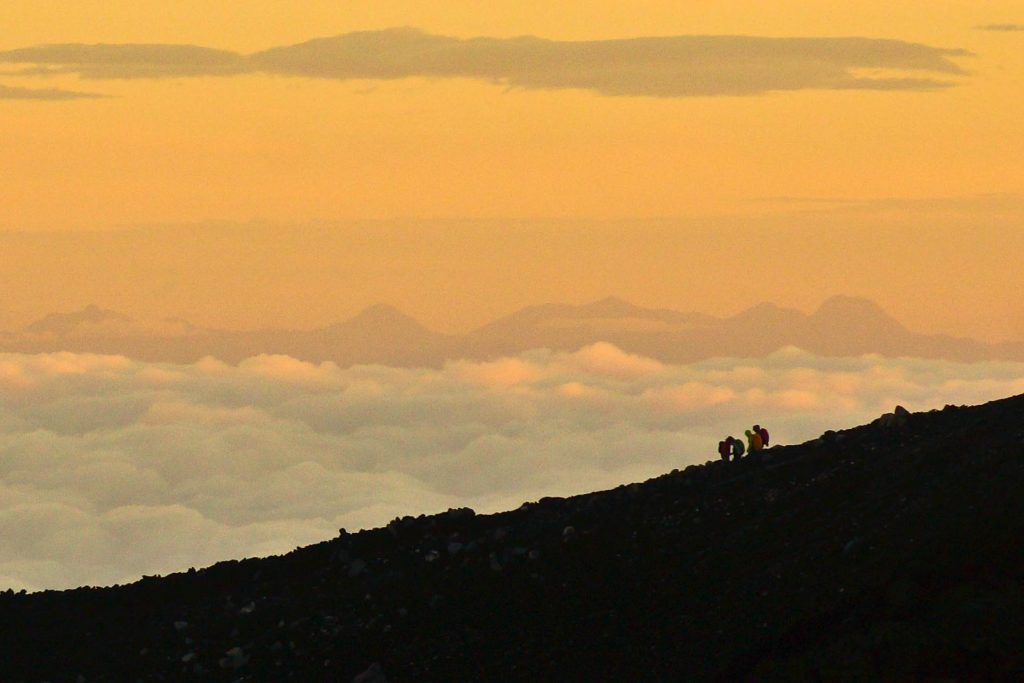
(884, 138)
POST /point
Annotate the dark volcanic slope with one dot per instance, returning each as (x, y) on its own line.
(886, 552)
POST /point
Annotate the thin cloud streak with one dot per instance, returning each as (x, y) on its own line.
(667, 67)
(153, 468)
(127, 61)
(51, 94)
(1009, 28)
(987, 203)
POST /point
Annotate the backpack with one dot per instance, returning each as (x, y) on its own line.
(764, 436)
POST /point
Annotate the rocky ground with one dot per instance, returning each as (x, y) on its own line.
(891, 551)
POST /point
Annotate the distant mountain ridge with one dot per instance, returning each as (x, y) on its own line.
(381, 334)
(60, 324)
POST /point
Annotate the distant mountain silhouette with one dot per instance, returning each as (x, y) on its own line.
(565, 327)
(841, 326)
(886, 552)
(379, 334)
(66, 324)
(845, 325)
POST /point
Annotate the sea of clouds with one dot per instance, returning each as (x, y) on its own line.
(112, 468)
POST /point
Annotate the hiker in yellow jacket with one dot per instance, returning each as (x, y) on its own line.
(754, 442)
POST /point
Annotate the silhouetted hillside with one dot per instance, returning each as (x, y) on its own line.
(889, 551)
(842, 326)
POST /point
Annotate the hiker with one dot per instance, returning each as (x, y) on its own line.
(725, 448)
(737, 449)
(764, 434)
(754, 442)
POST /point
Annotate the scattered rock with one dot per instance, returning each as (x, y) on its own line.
(235, 658)
(853, 547)
(897, 419)
(457, 514)
(374, 674)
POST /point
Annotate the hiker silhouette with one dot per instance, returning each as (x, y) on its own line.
(754, 442)
(737, 449)
(725, 448)
(758, 429)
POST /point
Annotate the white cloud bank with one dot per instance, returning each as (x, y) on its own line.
(112, 468)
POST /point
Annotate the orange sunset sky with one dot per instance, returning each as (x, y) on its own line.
(460, 160)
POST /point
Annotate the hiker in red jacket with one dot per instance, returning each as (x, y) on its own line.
(763, 433)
